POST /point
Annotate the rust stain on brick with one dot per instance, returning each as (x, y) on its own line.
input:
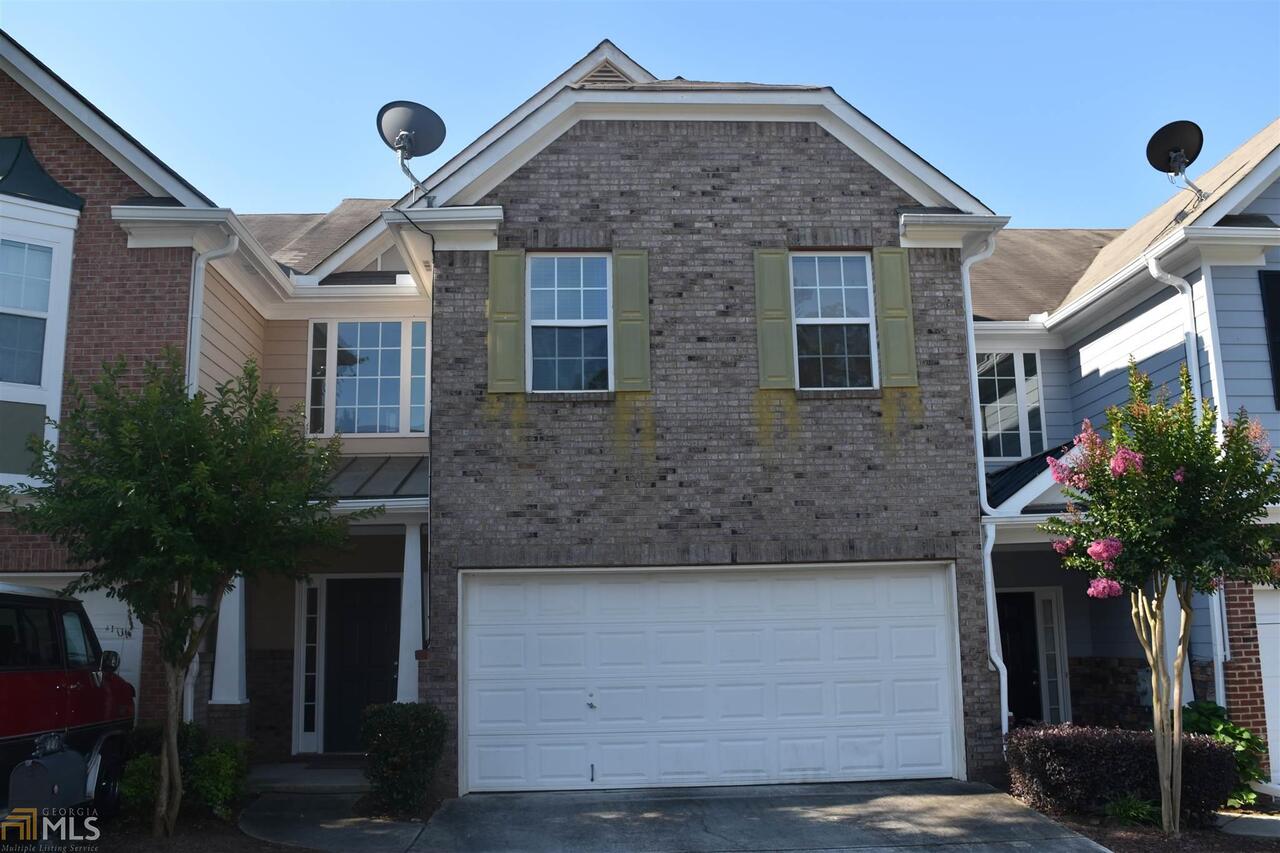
(901, 408)
(777, 413)
(633, 423)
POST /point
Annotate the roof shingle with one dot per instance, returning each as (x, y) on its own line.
(1032, 269)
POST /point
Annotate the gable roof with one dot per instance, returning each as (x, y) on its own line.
(579, 93)
(300, 241)
(95, 126)
(1007, 482)
(22, 175)
(1033, 269)
(1178, 211)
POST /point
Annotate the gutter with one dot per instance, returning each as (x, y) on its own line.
(195, 317)
(994, 651)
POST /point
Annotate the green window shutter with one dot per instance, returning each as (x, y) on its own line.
(631, 320)
(894, 327)
(506, 322)
(17, 422)
(774, 337)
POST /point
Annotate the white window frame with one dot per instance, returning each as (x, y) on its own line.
(331, 376)
(870, 322)
(1020, 382)
(53, 227)
(529, 322)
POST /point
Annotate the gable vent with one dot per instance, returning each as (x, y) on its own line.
(605, 72)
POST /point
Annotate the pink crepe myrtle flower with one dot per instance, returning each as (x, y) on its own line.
(1104, 588)
(1063, 546)
(1088, 438)
(1216, 583)
(1260, 438)
(1105, 550)
(1179, 475)
(1125, 461)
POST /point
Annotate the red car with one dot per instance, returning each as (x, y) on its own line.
(58, 687)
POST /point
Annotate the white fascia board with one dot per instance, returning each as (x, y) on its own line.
(1243, 194)
(398, 507)
(1232, 246)
(419, 232)
(123, 152)
(1014, 336)
(26, 210)
(946, 230)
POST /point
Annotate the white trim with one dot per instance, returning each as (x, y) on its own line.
(529, 322)
(951, 605)
(1262, 175)
(1053, 594)
(391, 506)
(54, 228)
(945, 230)
(1011, 335)
(299, 740)
(331, 376)
(1020, 389)
(869, 321)
(117, 146)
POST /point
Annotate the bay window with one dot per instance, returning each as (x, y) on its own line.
(367, 377)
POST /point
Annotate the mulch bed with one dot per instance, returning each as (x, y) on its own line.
(1149, 839)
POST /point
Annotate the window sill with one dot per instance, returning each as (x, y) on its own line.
(569, 396)
(838, 394)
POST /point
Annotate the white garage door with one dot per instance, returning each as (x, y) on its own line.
(110, 618)
(1266, 603)
(635, 679)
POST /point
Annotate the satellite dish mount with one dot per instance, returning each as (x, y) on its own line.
(1173, 148)
(411, 130)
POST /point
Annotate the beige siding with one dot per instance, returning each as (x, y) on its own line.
(231, 333)
(284, 361)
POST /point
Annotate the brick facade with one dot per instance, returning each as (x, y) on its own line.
(707, 468)
(124, 302)
(1243, 673)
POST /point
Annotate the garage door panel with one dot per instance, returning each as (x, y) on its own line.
(635, 679)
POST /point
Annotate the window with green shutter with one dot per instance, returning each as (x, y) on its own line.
(506, 322)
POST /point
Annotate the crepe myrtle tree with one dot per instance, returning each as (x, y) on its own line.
(164, 499)
(1163, 505)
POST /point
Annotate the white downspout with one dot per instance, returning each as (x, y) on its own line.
(995, 654)
(1189, 338)
(995, 651)
(195, 317)
(195, 322)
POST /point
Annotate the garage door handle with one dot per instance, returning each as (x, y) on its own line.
(591, 704)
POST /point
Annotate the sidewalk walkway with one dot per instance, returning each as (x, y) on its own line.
(325, 822)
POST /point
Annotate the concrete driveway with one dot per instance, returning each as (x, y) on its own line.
(955, 817)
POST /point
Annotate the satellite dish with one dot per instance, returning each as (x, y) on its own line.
(1173, 148)
(411, 130)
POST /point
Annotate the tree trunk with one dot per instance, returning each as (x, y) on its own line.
(1184, 592)
(1148, 622)
(169, 795)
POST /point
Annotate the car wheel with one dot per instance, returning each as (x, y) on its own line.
(106, 795)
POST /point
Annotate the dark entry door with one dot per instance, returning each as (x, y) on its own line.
(361, 650)
(1017, 612)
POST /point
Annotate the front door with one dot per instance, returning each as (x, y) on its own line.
(1017, 612)
(361, 650)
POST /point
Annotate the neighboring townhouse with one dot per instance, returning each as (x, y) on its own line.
(1058, 314)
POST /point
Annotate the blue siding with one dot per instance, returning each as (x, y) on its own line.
(1268, 203)
(1059, 414)
(1152, 332)
(1246, 365)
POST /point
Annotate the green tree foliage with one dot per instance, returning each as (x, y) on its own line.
(1169, 502)
(164, 498)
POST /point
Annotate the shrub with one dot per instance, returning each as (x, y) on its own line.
(1209, 718)
(213, 769)
(217, 777)
(1130, 809)
(1079, 769)
(404, 742)
(139, 783)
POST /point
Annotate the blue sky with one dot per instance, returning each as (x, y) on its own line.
(1040, 109)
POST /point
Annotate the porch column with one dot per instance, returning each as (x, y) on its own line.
(228, 663)
(410, 615)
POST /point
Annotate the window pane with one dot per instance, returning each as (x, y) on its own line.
(595, 374)
(834, 355)
(542, 273)
(804, 272)
(998, 396)
(855, 271)
(79, 649)
(419, 334)
(568, 304)
(832, 340)
(831, 302)
(595, 272)
(21, 349)
(568, 273)
(569, 343)
(835, 373)
(544, 374)
(389, 392)
(319, 335)
(856, 302)
(417, 419)
(390, 334)
(544, 342)
(569, 374)
(859, 339)
(24, 275)
(344, 419)
(595, 305)
(348, 335)
(369, 334)
(806, 302)
(570, 359)
(595, 342)
(346, 392)
(829, 272)
(542, 304)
